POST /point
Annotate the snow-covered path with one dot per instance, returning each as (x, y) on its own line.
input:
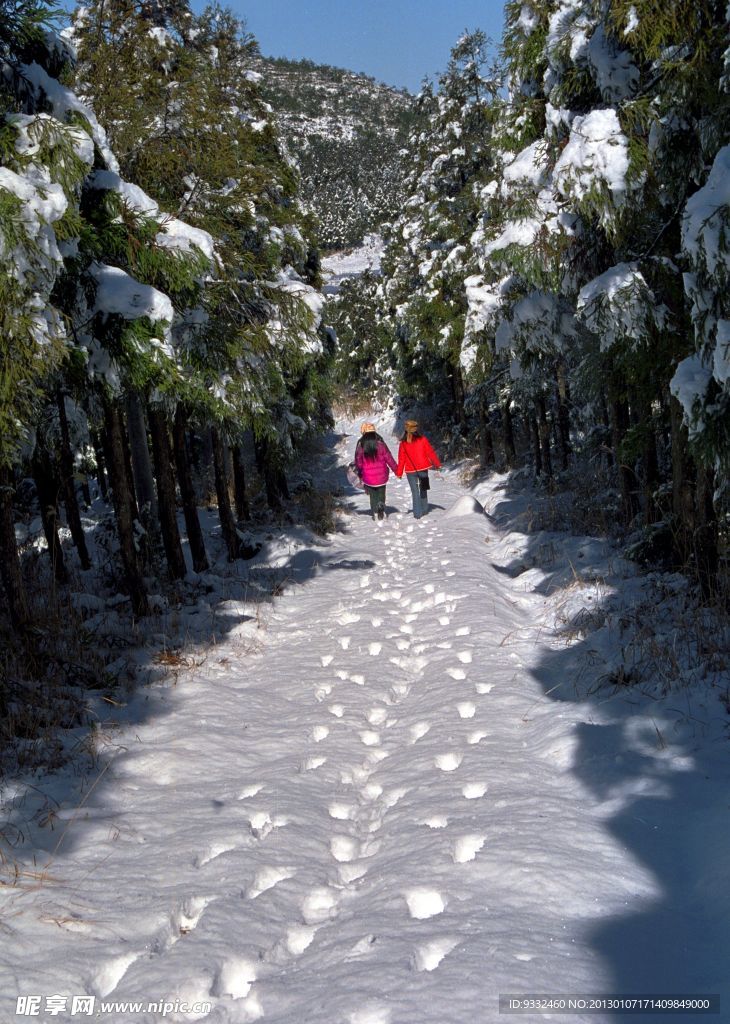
(358, 809)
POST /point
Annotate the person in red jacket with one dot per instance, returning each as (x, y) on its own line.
(415, 458)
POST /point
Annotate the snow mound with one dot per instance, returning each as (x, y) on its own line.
(464, 507)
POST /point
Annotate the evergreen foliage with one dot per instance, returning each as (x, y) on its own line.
(155, 270)
(560, 266)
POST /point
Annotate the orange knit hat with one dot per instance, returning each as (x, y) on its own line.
(368, 428)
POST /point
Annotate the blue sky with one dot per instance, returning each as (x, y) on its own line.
(396, 41)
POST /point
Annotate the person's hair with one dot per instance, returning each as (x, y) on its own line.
(413, 436)
(370, 442)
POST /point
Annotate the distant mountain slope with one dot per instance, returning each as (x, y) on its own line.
(345, 131)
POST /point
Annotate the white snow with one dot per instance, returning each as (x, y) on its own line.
(689, 386)
(704, 224)
(118, 292)
(596, 156)
(297, 829)
(340, 266)
(618, 305)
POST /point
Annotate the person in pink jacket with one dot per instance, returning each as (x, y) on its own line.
(374, 462)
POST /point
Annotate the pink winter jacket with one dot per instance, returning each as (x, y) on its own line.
(375, 471)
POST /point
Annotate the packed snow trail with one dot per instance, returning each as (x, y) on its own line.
(360, 813)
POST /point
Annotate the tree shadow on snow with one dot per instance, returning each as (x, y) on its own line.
(656, 769)
(177, 637)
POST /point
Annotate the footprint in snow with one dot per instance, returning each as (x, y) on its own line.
(376, 716)
(466, 848)
(298, 938)
(108, 978)
(456, 673)
(234, 978)
(463, 631)
(446, 561)
(365, 582)
(466, 709)
(424, 903)
(372, 791)
(465, 657)
(429, 955)
(403, 645)
(266, 878)
(357, 679)
(418, 730)
(371, 1013)
(444, 620)
(214, 851)
(474, 790)
(319, 733)
(484, 687)
(344, 642)
(476, 737)
(351, 871)
(312, 763)
(342, 811)
(376, 621)
(322, 691)
(436, 821)
(319, 906)
(394, 796)
(369, 737)
(344, 848)
(249, 791)
(326, 660)
(363, 948)
(448, 762)
(187, 916)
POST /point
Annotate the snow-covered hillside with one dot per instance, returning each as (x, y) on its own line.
(390, 797)
(345, 132)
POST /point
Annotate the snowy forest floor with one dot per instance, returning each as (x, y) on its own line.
(404, 788)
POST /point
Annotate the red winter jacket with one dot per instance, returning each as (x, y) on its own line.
(416, 454)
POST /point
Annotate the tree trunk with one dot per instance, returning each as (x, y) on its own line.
(606, 420)
(48, 490)
(144, 483)
(10, 573)
(535, 435)
(124, 507)
(508, 434)
(563, 418)
(228, 523)
(619, 413)
(274, 479)
(544, 433)
(187, 493)
(652, 511)
(100, 465)
(705, 533)
(167, 504)
(486, 442)
(459, 395)
(69, 488)
(239, 482)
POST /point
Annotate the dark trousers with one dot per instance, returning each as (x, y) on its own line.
(377, 498)
(420, 499)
